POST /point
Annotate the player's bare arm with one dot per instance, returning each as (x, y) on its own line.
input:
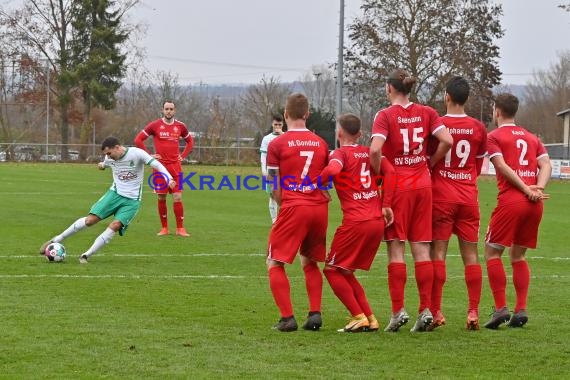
(544, 174)
(273, 177)
(445, 143)
(376, 153)
(510, 175)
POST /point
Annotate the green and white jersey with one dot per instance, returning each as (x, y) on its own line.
(128, 172)
(263, 150)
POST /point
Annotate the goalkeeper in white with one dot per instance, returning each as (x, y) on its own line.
(277, 125)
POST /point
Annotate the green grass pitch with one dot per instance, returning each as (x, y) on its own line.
(200, 307)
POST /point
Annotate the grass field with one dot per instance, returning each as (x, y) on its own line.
(174, 308)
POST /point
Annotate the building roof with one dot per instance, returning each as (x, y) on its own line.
(562, 113)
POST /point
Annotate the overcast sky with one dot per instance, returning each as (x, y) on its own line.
(240, 40)
(231, 41)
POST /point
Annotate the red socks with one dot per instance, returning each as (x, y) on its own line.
(281, 290)
(397, 277)
(179, 214)
(439, 277)
(359, 294)
(497, 281)
(163, 212)
(424, 281)
(343, 290)
(314, 285)
(474, 282)
(521, 281)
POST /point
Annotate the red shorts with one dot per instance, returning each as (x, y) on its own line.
(515, 224)
(462, 220)
(299, 229)
(161, 187)
(355, 244)
(412, 216)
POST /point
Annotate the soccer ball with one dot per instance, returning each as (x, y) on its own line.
(55, 252)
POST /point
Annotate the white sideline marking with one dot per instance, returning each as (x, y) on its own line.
(149, 255)
(230, 254)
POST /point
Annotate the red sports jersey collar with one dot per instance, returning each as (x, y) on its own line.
(403, 106)
(455, 115)
(507, 125)
(299, 130)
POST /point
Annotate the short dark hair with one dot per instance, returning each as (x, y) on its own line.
(277, 117)
(507, 103)
(458, 90)
(168, 101)
(110, 142)
(401, 81)
(350, 123)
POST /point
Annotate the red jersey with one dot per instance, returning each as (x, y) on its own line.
(520, 150)
(300, 155)
(406, 130)
(166, 139)
(454, 179)
(357, 192)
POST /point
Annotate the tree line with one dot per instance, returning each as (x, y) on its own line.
(85, 56)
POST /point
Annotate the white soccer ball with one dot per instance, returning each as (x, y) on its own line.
(55, 252)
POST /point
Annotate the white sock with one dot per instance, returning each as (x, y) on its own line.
(100, 241)
(75, 227)
(273, 208)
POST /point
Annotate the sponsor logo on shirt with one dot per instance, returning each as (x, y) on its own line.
(455, 176)
(412, 160)
(127, 176)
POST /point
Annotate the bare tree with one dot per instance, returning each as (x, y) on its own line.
(44, 31)
(547, 94)
(432, 40)
(262, 100)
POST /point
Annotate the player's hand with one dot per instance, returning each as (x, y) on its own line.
(539, 190)
(101, 166)
(327, 195)
(534, 193)
(156, 156)
(388, 215)
(172, 184)
(180, 158)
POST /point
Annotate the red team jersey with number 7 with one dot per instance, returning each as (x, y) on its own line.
(300, 156)
(406, 130)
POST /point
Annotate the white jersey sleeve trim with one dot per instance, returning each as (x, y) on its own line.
(542, 155)
(378, 135)
(438, 129)
(495, 155)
